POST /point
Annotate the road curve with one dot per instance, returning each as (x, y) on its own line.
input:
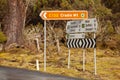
(7, 73)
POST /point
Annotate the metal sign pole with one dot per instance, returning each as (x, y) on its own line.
(69, 59)
(44, 45)
(84, 60)
(95, 58)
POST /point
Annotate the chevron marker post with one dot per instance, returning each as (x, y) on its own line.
(81, 43)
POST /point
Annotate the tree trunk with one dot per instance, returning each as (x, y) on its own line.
(14, 22)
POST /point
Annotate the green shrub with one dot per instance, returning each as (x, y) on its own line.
(3, 38)
(110, 27)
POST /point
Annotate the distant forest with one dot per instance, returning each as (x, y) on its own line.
(16, 15)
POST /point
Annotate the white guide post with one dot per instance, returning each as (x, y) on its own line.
(44, 45)
(37, 64)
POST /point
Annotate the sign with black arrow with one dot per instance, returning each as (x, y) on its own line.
(81, 43)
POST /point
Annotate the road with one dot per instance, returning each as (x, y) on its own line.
(7, 73)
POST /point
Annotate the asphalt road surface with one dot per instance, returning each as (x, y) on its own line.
(7, 73)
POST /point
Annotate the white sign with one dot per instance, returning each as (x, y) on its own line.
(72, 24)
(73, 36)
(72, 30)
(89, 25)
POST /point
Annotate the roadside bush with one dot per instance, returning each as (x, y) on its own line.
(3, 38)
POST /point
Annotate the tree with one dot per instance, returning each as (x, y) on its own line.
(114, 6)
(3, 9)
(14, 21)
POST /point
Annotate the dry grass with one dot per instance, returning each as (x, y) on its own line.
(108, 68)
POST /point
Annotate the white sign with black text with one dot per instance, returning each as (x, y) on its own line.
(75, 36)
(88, 25)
